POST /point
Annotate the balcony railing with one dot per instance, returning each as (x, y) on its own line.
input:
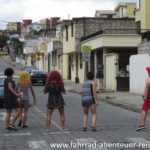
(113, 32)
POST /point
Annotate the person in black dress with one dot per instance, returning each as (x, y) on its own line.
(100, 77)
(10, 99)
(55, 88)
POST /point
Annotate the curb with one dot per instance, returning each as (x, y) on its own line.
(109, 101)
(128, 107)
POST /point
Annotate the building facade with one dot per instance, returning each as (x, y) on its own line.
(125, 10)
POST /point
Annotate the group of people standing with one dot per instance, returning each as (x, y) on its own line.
(17, 97)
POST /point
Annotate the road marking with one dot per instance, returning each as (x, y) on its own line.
(44, 115)
(66, 132)
(17, 134)
(37, 144)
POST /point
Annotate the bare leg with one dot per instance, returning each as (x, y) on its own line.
(143, 117)
(9, 111)
(94, 115)
(101, 82)
(98, 83)
(25, 114)
(85, 116)
(62, 117)
(17, 113)
(49, 115)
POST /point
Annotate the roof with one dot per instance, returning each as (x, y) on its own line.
(106, 12)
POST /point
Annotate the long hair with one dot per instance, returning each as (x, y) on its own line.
(24, 78)
(55, 76)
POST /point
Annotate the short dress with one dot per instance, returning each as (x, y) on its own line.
(10, 100)
(24, 90)
(55, 98)
(87, 94)
(146, 104)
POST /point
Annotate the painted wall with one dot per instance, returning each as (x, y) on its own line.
(68, 46)
(125, 10)
(138, 74)
(130, 10)
(65, 66)
(143, 14)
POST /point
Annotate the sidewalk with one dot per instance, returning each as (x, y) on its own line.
(125, 100)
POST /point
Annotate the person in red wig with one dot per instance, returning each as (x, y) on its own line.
(146, 105)
(55, 87)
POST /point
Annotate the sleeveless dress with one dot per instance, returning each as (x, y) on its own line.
(10, 100)
(55, 98)
(146, 104)
(87, 94)
(24, 89)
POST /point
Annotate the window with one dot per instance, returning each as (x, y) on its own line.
(66, 33)
(138, 4)
(72, 29)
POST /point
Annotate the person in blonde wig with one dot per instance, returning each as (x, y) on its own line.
(23, 86)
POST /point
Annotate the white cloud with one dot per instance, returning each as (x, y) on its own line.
(16, 10)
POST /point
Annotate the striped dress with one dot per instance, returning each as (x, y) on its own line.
(87, 94)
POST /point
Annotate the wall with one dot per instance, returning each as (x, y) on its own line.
(138, 74)
(68, 46)
(130, 10)
(143, 14)
(65, 66)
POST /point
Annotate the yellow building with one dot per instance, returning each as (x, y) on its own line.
(71, 51)
(13, 26)
(143, 14)
(125, 10)
(45, 23)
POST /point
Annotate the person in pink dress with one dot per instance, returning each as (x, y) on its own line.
(146, 105)
(23, 86)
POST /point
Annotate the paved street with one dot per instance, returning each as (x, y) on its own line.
(114, 125)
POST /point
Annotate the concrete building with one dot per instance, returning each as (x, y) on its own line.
(105, 14)
(45, 23)
(125, 10)
(83, 28)
(13, 26)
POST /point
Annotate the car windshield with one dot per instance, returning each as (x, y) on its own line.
(3, 78)
(2, 81)
(38, 72)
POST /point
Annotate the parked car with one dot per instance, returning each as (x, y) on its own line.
(38, 76)
(29, 68)
(2, 78)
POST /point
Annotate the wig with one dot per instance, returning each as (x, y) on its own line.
(55, 76)
(24, 78)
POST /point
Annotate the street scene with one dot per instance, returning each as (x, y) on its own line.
(74, 77)
(114, 124)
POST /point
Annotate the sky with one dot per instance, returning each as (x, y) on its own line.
(17, 10)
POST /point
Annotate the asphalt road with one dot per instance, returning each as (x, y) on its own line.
(115, 127)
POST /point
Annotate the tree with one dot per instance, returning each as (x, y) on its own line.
(3, 40)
